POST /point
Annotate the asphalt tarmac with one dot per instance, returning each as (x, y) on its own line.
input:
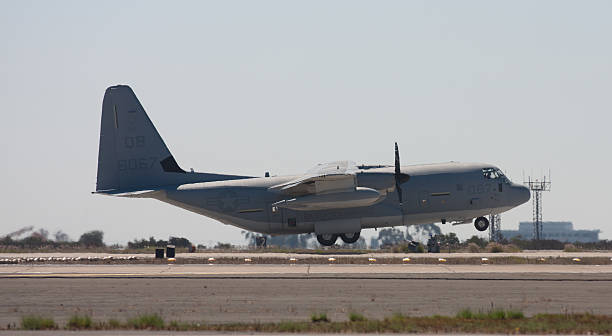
(233, 293)
(330, 270)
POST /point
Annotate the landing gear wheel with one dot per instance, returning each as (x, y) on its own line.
(350, 238)
(260, 241)
(481, 223)
(327, 239)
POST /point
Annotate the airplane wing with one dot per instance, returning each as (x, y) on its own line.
(327, 186)
(333, 168)
(333, 176)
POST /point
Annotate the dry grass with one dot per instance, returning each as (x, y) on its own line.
(80, 322)
(499, 322)
(151, 321)
(356, 317)
(319, 317)
(466, 321)
(571, 248)
(473, 248)
(33, 322)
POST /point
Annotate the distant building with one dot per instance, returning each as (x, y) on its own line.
(561, 231)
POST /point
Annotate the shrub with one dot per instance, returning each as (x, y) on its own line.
(515, 314)
(408, 247)
(322, 317)
(37, 323)
(79, 322)
(499, 314)
(179, 242)
(114, 324)
(495, 248)
(473, 248)
(223, 246)
(152, 321)
(355, 317)
(481, 242)
(400, 248)
(465, 314)
(570, 248)
(512, 248)
(92, 239)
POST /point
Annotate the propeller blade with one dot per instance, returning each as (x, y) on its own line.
(397, 160)
(398, 174)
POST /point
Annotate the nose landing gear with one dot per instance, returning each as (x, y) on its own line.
(481, 223)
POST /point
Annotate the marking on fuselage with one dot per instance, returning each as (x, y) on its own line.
(228, 201)
(250, 210)
(482, 188)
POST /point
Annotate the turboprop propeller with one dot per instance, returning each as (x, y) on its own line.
(399, 177)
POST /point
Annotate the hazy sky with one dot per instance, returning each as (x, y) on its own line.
(244, 87)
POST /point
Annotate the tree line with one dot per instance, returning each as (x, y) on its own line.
(389, 238)
(41, 238)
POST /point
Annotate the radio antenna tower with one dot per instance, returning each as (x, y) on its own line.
(495, 228)
(537, 187)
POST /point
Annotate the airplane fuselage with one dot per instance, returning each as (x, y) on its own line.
(449, 192)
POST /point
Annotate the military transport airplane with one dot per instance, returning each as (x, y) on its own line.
(336, 199)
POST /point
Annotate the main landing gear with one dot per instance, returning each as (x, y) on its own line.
(329, 239)
(481, 223)
(350, 238)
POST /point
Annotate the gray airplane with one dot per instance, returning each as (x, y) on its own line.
(336, 199)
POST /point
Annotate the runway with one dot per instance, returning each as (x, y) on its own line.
(333, 257)
(381, 271)
(231, 293)
(257, 255)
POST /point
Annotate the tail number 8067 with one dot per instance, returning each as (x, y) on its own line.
(137, 163)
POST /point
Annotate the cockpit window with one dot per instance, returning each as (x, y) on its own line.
(494, 174)
(488, 173)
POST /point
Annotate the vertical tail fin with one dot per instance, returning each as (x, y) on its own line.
(132, 154)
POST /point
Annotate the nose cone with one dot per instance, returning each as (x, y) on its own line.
(521, 194)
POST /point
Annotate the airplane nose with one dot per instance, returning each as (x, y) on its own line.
(523, 194)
